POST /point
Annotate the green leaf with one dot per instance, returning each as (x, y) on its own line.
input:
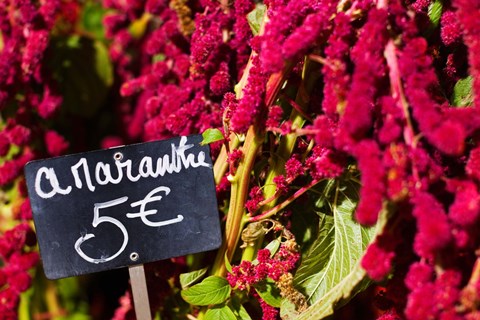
(211, 135)
(462, 95)
(435, 13)
(190, 278)
(138, 27)
(70, 291)
(255, 18)
(330, 270)
(269, 292)
(158, 57)
(220, 313)
(228, 265)
(103, 67)
(273, 246)
(92, 19)
(25, 304)
(212, 290)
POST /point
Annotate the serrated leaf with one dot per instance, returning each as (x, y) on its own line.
(462, 95)
(212, 290)
(211, 135)
(435, 12)
(330, 269)
(220, 313)
(355, 281)
(255, 18)
(190, 278)
(269, 292)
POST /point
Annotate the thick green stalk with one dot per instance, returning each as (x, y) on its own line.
(282, 154)
(239, 192)
(236, 216)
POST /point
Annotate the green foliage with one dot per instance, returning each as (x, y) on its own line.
(190, 278)
(220, 313)
(268, 291)
(462, 93)
(211, 135)
(212, 290)
(70, 294)
(435, 12)
(92, 17)
(330, 269)
(255, 18)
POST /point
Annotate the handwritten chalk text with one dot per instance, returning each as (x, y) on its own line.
(47, 183)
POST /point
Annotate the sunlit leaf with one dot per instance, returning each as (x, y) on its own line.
(92, 18)
(255, 18)
(330, 269)
(220, 313)
(212, 290)
(462, 95)
(268, 291)
(435, 12)
(190, 278)
(211, 135)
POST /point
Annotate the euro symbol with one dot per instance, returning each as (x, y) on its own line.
(143, 213)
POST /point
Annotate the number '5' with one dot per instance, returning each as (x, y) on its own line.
(96, 221)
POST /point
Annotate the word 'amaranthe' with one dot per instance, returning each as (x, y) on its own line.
(48, 185)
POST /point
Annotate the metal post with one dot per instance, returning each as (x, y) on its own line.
(140, 292)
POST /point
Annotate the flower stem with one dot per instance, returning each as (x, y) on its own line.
(239, 192)
(221, 163)
(281, 206)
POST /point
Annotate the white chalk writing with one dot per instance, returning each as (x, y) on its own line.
(47, 183)
(142, 214)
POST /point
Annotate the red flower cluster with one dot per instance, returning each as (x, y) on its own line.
(432, 299)
(183, 76)
(379, 107)
(249, 273)
(467, 13)
(256, 196)
(29, 101)
(17, 255)
(377, 261)
(327, 85)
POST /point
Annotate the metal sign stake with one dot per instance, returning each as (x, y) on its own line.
(140, 292)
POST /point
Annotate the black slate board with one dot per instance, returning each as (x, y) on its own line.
(126, 226)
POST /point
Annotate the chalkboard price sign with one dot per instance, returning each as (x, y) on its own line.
(123, 206)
